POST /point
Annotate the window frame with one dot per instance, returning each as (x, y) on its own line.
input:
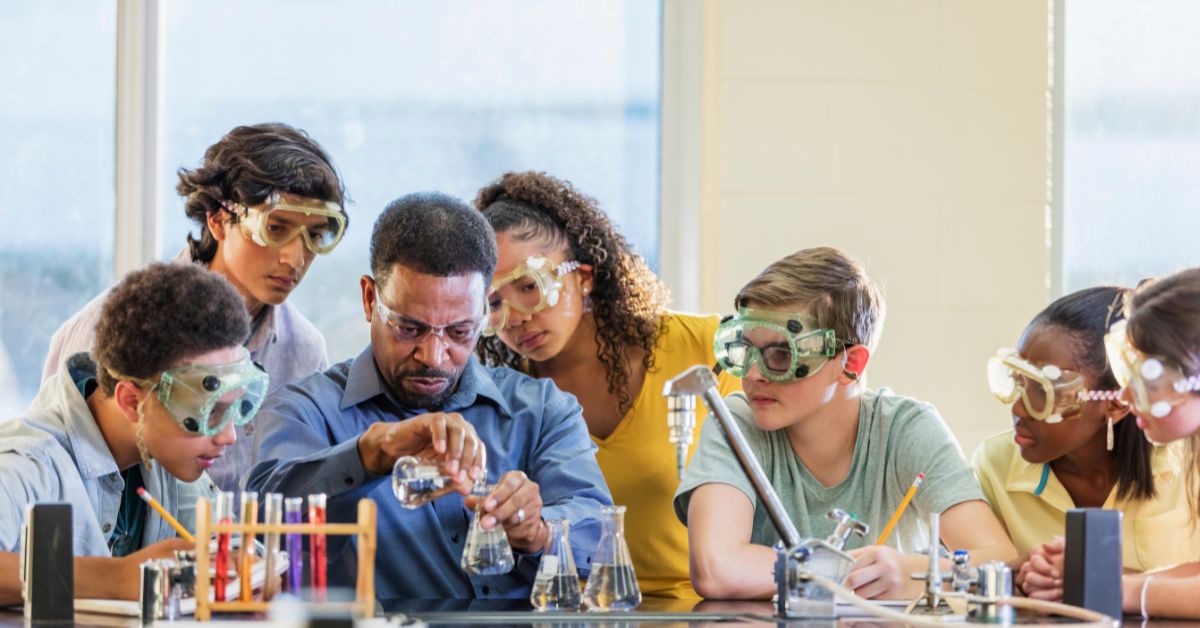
(139, 142)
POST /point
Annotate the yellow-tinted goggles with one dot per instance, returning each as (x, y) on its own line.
(285, 216)
(1048, 392)
(534, 285)
(1155, 386)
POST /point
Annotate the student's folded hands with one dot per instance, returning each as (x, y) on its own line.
(1040, 575)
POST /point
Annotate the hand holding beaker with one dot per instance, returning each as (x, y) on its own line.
(445, 437)
(516, 504)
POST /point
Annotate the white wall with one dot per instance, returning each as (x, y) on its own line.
(911, 133)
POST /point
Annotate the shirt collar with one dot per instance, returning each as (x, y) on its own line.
(364, 382)
(91, 453)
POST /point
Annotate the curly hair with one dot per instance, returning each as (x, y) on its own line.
(161, 315)
(432, 233)
(245, 167)
(628, 301)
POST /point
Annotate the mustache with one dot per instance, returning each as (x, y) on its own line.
(429, 373)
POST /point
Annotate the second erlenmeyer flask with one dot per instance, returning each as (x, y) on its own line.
(612, 585)
(487, 552)
(556, 585)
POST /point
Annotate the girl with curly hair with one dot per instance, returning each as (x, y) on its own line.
(573, 302)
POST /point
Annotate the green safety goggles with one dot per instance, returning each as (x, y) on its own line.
(204, 398)
(787, 346)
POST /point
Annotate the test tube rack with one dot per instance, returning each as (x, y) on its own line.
(365, 528)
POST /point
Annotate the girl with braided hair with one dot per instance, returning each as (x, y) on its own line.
(572, 301)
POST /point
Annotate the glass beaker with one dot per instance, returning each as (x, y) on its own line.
(612, 585)
(487, 552)
(417, 482)
(556, 585)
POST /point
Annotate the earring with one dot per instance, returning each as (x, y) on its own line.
(1110, 434)
(137, 437)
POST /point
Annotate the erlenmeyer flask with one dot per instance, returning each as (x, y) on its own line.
(487, 552)
(612, 585)
(417, 482)
(556, 586)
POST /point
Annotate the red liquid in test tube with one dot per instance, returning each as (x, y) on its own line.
(316, 546)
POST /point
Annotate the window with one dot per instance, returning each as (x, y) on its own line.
(56, 177)
(1131, 140)
(414, 96)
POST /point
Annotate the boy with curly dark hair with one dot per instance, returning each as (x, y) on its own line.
(154, 406)
(266, 200)
(573, 302)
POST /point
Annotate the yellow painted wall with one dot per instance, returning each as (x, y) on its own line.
(911, 133)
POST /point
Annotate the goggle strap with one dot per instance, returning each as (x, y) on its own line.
(567, 267)
(1190, 384)
(1099, 395)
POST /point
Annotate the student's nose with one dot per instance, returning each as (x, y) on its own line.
(294, 254)
(227, 436)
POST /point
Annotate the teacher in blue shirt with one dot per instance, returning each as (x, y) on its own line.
(339, 432)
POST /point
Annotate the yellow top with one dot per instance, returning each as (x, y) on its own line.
(639, 462)
(1032, 504)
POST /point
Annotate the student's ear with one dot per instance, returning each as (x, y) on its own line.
(1116, 409)
(368, 296)
(127, 395)
(854, 363)
(217, 221)
(586, 276)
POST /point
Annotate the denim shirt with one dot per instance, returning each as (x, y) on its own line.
(56, 453)
(309, 435)
(284, 342)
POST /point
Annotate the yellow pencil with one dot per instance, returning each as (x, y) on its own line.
(912, 490)
(162, 512)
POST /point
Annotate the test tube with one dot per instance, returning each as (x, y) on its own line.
(249, 517)
(316, 547)
(224, 516)
(293, 511)
(272, 515)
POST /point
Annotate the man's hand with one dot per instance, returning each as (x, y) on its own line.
(878, 572)
(1040, 576)
(516, 504)
(444, 437)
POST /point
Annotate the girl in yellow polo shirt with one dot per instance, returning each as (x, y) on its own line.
(1075, 445)
(572, 301)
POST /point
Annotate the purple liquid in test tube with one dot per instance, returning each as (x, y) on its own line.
(293, 512)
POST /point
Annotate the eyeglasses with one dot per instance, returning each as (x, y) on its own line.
(413, 331)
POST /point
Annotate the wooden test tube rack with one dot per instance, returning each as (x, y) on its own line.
(365, 529)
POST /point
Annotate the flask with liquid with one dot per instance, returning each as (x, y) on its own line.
(417, 482)
(612, 585)
(556, 585)
(487, 552)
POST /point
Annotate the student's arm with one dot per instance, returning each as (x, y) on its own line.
(1172, 593)
(95, 576)
(883, 572)
(724, 563)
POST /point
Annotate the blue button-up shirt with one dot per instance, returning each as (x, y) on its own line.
(56, 453)
(309, 444)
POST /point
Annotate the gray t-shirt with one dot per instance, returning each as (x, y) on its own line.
(898, 437)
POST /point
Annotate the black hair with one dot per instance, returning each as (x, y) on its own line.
(245, 167)
(435, 234)
(1086, 316)
(161, 315)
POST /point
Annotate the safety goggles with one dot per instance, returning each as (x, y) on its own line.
(786, 346)
(1048, 392)
(534, 285)
(204, 398)
(283, 217)
(1154, 385)
(412, 331)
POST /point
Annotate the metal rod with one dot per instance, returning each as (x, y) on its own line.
(699, 380)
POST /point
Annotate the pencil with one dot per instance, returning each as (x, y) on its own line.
(162, 512)
(912, 490)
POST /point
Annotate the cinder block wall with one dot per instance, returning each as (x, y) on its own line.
(913, 134)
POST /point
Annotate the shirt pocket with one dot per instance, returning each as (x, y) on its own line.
(1165, 538)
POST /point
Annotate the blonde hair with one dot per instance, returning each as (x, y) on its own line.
(831, 283)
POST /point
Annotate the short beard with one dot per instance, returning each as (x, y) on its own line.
(423, 402)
